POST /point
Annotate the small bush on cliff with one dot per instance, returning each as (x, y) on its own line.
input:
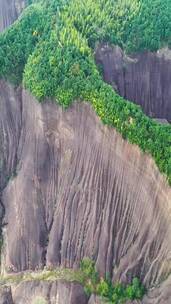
(87, 266)
(51, 49)
(90, 275)
(103, 287)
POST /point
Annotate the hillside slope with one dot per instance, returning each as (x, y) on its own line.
(75, 188)
(72, 187)
(143, 78)
(51, 51)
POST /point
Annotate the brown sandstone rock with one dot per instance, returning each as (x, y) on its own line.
(142, 78)
(80, 190)
(71, 187)
(9, 11)
(6, 295)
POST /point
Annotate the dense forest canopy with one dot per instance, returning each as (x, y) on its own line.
(50, 49)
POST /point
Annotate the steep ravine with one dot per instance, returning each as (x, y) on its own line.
(143, 78)
(76, 189)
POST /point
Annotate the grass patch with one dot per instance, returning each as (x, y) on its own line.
(69, 275)
(88, 276)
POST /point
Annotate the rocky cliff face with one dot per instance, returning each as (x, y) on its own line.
(36, 292)
(71, 187)
(9, 11)
(143, 78)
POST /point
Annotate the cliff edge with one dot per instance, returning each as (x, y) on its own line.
(72, 187)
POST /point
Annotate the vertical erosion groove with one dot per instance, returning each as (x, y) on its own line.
(142, 78)
(79, 190)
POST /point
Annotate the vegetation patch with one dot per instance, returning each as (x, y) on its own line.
(111, 293)
(39, 300)
(66, 274)
(51, 50)
(88, 276)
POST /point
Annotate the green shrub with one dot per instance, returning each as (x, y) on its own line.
(135, 290)
(102, 288)
(112, 293)
(19, 41)
(87, 266)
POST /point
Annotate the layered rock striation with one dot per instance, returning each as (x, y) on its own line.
(9, 11)
(36, 292)
(72, 187)
(143, 78)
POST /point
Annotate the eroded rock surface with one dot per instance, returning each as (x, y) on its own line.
(49, 293)
(36, 292)
(78, 189)
(9, 11)
(71, 187)
(6, 295)
(143, 78)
